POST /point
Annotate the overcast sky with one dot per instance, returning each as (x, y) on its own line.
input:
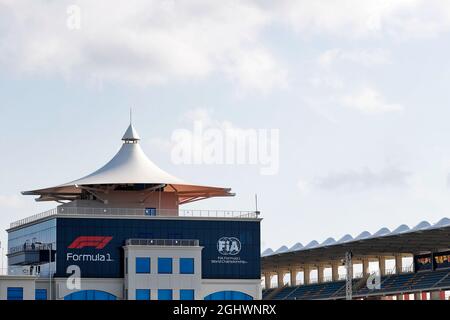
(358, 89)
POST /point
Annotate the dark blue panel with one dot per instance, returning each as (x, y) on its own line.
(142, 265)
(231, 249)
(187, 265)
(40, 294)
(165, 294)
(142, 294)
(165, 265)
(228, 295)
(14, 293)
(187, 294)
(90, 295)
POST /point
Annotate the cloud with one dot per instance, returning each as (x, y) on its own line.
(362, 179)
(369, 100)
(365, 57)
(140, 42)
(366, 18)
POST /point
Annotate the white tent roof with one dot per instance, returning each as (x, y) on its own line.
(131, 166)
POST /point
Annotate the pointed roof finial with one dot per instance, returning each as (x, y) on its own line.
(131, 135)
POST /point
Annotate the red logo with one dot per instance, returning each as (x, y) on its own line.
(97, 242)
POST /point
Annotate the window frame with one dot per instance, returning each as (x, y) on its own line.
(161, 265)
(191, 293)
(137, 265)
(148, 294)
(165, 291)
(189, 271)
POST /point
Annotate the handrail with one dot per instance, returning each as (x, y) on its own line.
(62, 210)
(163, 242)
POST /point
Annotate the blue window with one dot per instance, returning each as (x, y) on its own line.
(142, 265)
(15, 293)
(228, 295)
(150, 211)
(186, 265)
(90, 295)
(186, 294)
(40, 294)
(165, 265)
(142, 294)
(165, 294)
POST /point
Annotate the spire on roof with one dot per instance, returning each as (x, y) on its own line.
(131, 135)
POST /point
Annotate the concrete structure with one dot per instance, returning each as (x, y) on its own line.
(119, 233)
(425, 246)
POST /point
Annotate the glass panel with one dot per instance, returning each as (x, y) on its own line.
(40, 294)
(142, 265)
(90, 295)
(228, 295)
(142, 294)
(164, 294)
(186, 294)
(15, 293)
(186, 265)
(165, 265)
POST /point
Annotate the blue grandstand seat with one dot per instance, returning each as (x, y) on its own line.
(390, 284)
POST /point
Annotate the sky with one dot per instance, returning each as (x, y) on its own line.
(350, 100)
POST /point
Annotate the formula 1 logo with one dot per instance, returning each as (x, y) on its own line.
(228, 246)
(97, 242)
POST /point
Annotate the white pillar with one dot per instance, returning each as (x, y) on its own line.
(267, 278)
(382, 265)
(320, 271)
(398, 264)
(335, 271)
(293, 273)
(306, 274)
(280, 279)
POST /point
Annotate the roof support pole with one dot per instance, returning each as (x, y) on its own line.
(320, 272)
(267, 278)
(382, 265)
(335, 271)
(280, 276)
(398, 263)
(349, 277)
(293, 276)
(365, 266)
(306, 274)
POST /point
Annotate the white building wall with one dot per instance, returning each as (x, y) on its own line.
(155, 281)
(25, 282)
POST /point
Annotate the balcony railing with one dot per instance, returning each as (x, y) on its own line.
(17, 271)
(30, 247)
(148, 212)
(163, 242)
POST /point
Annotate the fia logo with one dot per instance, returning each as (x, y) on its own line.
(229, 246)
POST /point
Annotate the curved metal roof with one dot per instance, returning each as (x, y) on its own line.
(131, 166)
(347, 240)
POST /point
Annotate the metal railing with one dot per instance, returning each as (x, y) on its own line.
(30, 247)
(163, 242)
(147, 212)
(17, 271)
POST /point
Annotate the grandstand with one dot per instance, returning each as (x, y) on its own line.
(287, 272)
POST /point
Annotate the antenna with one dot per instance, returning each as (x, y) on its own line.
(131, 115)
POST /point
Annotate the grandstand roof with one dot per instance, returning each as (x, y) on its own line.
(424, 237)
